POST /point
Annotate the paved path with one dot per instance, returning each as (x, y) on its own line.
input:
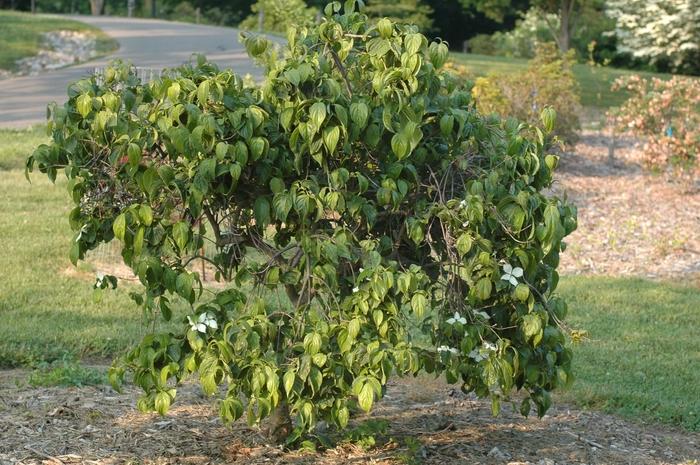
(147, 43)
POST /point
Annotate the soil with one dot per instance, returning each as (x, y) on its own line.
(429, 423)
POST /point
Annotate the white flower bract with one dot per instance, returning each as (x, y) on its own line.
(457, 318)
(511, 274)
(451, 350)
(205, 320)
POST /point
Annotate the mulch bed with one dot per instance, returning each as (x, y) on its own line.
(95, 425)
(631, 222)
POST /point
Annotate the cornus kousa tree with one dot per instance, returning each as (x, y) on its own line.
(367, 222)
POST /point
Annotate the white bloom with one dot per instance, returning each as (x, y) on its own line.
(205, 320)
(362, 270)
(477, 356)
(510, 274)
(355, 289)
(489, 346)
(483, 352)
(82, 231)
(465, 224)
(463, 203)
(451, 350)
(457, 318)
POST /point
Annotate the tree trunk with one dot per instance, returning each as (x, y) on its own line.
(279, 425)
(96, 7)
(565, 11)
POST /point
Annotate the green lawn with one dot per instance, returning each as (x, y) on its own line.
(643, 356)
(20, 35)
(641, 360)
(594, 81)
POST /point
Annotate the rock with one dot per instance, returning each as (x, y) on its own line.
(498, 454)
(59, 49)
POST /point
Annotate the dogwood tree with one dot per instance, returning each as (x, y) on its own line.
(367, 222)
(660, 31)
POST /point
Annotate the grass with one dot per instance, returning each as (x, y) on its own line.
(17, 144)
(594, 81)
(641, 361)
(20, 35)
(643, 356)
(47, 307)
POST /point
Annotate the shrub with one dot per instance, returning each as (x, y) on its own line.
(533, 27)
(368, 222)
(667, 114)
(278, 15)
(548, 81)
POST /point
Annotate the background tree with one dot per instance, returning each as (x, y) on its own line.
(404, 11)
(666, 32)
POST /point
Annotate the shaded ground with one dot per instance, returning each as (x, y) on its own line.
(630, 222)
(430, 423)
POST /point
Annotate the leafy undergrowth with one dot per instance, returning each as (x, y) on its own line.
(21, 35)
(66, 373)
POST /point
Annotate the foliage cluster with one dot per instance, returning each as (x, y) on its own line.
(666, 113)
(355, 199)
(401, 11)
(548, 80)
(279, 15)
(66, 372)
(533, 28)
(590, 39)
(665, 32)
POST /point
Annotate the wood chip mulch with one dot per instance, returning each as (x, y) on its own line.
(631, 222)
(96, 426)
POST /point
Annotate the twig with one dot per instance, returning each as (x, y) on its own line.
(342, 70)
(41, 454)
(587, 441)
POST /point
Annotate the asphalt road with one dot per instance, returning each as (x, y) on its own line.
(146, 43)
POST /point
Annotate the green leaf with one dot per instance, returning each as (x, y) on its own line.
(276, 185)
(317, 114)
(418, 304)
(400, 145)
(331, 135)
(203, 92)
(119, 226)
(447, 123)
(359, 113)
(343, 417)
(146, 214)
(483, 288)
(134, 153)
(366, 397)
(174, 92)
(464, 244)
(162, 402)
(288, 381)
(262, 212)
(522, 292)
(84, 105)
(532, 327)
(181, 234)
(312, 343)
(413, 43)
